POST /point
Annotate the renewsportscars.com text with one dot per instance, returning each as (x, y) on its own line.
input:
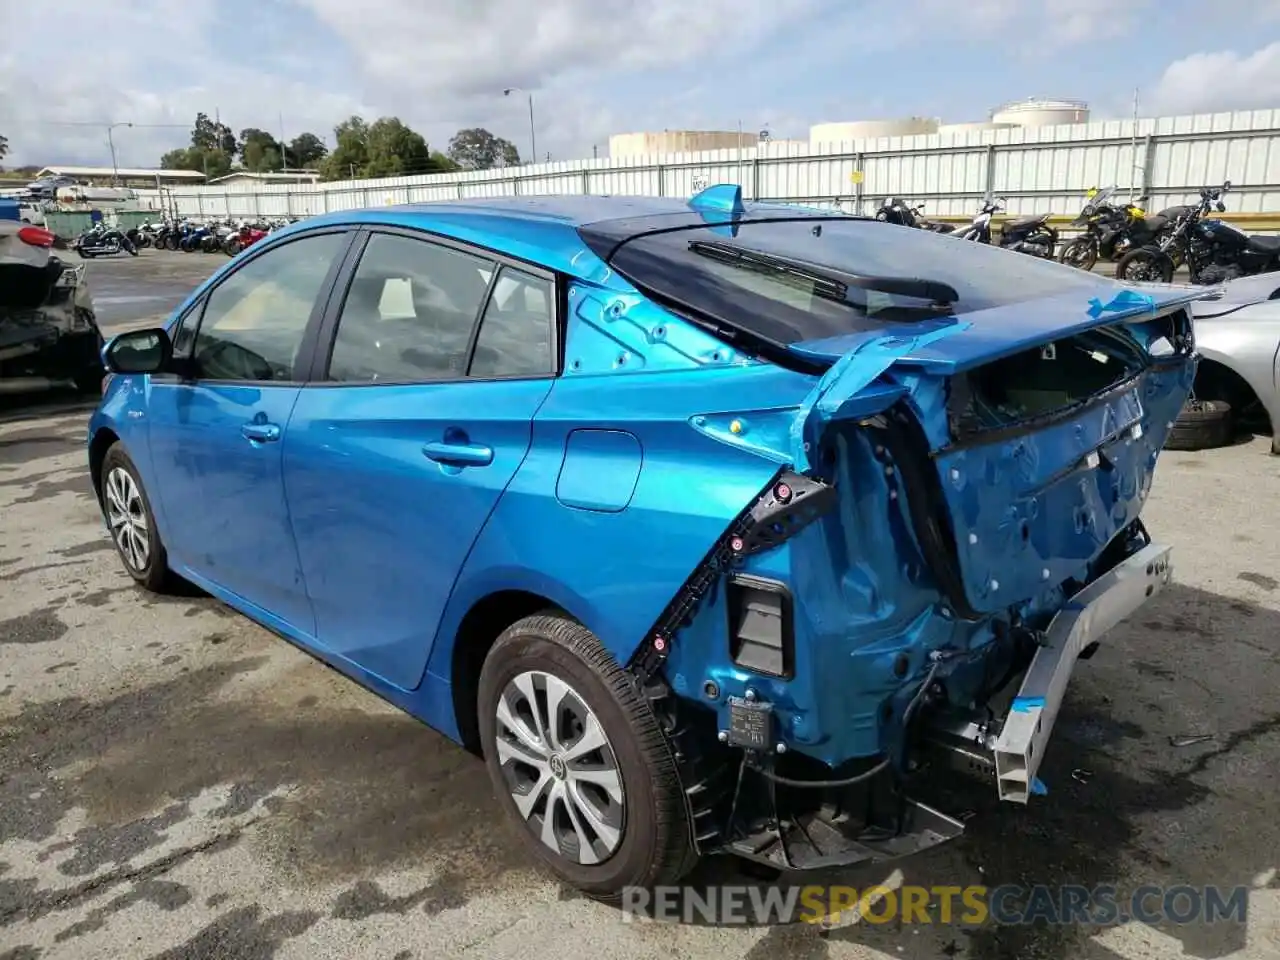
(970, 905)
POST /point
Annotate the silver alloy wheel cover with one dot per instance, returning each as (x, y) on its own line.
(560, 767)
(127, 518)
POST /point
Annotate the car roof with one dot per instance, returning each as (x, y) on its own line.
(544, 229)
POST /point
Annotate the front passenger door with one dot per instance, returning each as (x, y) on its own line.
(217, 425)
(396, 460)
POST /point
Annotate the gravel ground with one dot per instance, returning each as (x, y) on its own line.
(176, 782)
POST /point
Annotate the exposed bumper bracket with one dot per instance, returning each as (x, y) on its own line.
(1090, 614)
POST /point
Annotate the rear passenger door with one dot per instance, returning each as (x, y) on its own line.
(411, 430)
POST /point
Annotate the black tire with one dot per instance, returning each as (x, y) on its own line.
(1202, 425)
(1081, 253)
(654, 847)
(154, 574)
(171, 242)
(1142, 261)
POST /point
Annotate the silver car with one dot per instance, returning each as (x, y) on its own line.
(48, 331)
(1237, 386)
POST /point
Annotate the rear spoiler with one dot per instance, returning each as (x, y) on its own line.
(984, 336)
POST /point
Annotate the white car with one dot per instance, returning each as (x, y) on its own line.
(1237, 386)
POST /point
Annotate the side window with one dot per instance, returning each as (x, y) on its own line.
(515, 334)
(255, 320)
(409, 312)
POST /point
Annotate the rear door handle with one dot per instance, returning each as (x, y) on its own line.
(459, 454)
(261, 432)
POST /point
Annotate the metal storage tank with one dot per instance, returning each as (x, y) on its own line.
(679, 141)
(1040, 112)
(841, 132)
(976, 125)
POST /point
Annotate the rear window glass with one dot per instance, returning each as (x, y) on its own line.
(788, 309)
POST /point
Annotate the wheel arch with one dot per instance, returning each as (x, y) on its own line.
(478, 629)
(1217, 379)
(102, 441)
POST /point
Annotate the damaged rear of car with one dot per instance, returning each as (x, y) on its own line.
(953, 521)
(48, 331)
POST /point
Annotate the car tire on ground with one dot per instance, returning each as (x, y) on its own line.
(131, 522)
(603, 769)
(1202, 425)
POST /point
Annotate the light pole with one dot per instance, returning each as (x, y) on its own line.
(533, 139)
(115, 170)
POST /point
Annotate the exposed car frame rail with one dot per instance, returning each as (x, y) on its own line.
(1090, 613)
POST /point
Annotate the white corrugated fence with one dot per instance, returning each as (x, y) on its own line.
(1038, 169)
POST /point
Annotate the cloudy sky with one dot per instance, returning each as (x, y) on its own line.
(597, 67)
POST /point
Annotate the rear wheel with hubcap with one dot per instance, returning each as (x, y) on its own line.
(579, 760)
(131, 522)
(1145, 265)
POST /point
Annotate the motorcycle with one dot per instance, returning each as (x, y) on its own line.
(246, 236)
(212, 241)
(1214, 251)
(1113, 229)
(896, 211)
(1030, 235)
(100, 241)
(192, 237)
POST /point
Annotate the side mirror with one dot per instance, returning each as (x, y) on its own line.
(1226, 185)
(1222, 207)
(138, 351)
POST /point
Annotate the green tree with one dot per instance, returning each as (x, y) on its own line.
(351, 151)
(477, 149)
(4, 147)
(209, 135)
(212, 163)
(394, 150)
(260, 151)
(306, 150)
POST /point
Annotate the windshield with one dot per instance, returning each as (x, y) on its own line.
(1100, 197)
(785, 309)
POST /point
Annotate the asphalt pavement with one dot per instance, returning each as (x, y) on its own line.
(176, 782)
(134, 291)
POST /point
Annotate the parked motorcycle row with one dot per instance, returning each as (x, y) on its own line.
(209, 236)
(1144, 248)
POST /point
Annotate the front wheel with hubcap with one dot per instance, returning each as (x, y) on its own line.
(131, 522)
(1081, 253)
(579, 760)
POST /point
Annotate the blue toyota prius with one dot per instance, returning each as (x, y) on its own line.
(715, 527)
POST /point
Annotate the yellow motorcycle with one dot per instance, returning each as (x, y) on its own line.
(1111, 229)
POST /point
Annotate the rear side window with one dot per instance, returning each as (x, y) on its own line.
(409, 312)
(515, 333)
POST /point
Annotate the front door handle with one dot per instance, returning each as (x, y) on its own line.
(459, 454)
(261, 432)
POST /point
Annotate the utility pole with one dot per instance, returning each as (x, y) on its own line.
(533, 137)
(1133, 145)
(115, 169)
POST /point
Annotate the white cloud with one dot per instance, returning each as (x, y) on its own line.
(1221, 80)
(594, 66)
